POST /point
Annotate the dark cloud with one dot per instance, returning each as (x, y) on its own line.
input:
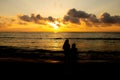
(74, 16)
(72, 19)
(33, 18)
(93, 18)
(36, 18)
(116, 19)
(107, 18)
(25, 18)
(50, 18)
(79, 14)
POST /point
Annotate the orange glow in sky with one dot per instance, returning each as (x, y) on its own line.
(59, 16)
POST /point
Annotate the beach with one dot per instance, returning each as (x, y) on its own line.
(18, 60)
(47, 56)
(42, 53)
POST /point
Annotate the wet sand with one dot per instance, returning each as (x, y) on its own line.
(16, 61)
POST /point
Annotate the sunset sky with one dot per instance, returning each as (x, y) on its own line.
(59, 16)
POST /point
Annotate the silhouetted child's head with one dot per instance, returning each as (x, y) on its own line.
(73, 45)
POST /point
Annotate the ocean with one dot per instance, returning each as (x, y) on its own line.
(85, 41)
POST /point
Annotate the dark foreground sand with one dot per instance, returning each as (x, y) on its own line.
(80, 71)
(30, 64)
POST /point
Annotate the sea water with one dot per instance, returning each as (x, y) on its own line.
(85, 41)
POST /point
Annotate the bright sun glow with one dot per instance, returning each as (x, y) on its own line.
(54, 25)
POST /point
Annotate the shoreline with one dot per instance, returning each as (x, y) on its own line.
(40, 56)
(33, 62)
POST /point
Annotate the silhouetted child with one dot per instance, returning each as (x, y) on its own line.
(73, 58)
(74, 54)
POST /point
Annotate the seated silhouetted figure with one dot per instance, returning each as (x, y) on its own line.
(74, 54)
(66, 47)
(74, 58)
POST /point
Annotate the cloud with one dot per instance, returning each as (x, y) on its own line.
(33, 18)
(93, 18)
(25, 18)
(79, 14)
(51, 19)
(107, 18)
(74, 16)
(5, 21)
(72, 19)
(38, 19)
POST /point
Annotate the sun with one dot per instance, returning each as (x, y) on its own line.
(55, 25)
